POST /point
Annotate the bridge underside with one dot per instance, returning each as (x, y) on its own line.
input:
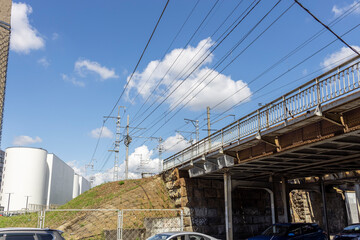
(320, 142)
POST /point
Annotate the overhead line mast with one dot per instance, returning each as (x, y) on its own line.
(117, 144)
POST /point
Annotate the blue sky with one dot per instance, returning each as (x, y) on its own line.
(70, 60)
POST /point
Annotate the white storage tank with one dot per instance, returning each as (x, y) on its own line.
(84, 185)
(76, 187)
(60, 189)
(24, 178)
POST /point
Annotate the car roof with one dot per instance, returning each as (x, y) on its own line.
(24, 229)
(176, 232)
(294, 224)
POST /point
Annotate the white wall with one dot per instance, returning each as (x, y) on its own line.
(60, 189)
(25, 174)
(84, 185)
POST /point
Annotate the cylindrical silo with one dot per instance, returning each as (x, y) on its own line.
(76, 186)
(24, 178)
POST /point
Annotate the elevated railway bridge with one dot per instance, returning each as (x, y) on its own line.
(312, 132)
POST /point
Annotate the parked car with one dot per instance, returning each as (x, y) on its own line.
(181, 236)
(30, 234)
(283, 231)
(350, 232)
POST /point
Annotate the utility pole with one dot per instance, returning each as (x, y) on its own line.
(27, 201)
(8, 207)
(90, 165)
(127, 141)
(196, 125)
(161, 149)
(208, 121)
(117, 144)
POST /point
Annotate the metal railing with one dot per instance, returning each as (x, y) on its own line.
(330, 86)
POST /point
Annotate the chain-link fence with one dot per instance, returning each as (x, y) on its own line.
(141, 224)
(20, 219)
(109, 224)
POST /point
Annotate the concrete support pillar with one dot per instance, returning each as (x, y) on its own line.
(228, 206)
(285, 199)
(274, 190)
(323, 195)
(357, 192)
(272, 205)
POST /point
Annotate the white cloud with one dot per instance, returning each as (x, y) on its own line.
(140, 161)
(26, 140)
(24, 37)
(79, 170)
(220, 88)
(55, 36)
(44, 62)
(73, 80)
(340, 10)
(84, 66)
(175, 143)
(338, 57)
(105, 133)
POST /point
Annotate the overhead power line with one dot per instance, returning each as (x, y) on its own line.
(208, 54)
(142, 54)
(328, 28)
(176, 59)
(221, 61)
(312, 38)
(122, 93)
(167, 50)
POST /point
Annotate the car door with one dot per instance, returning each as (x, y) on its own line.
(179, 237)
(311, 232)
(197, 237)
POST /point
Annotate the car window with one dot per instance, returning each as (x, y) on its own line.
(306, 229)
(19, 236)
(294, 231)
(159, 236)
(276, 230)
(44, 236)
(197, 237)
(182, 237)
(352, 229)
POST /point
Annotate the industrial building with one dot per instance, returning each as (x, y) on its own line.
(34, 179)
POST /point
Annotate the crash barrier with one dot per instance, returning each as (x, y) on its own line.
(107, 224)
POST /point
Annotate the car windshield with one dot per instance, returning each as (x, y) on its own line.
(160, 236)
(276, 230)
(352, 229)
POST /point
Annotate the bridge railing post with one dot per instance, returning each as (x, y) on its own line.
(284, 109)
(259, 120)
(318, 91)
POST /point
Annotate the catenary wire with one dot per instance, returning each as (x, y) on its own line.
(182, 73)
(228, 54)
(210, 52)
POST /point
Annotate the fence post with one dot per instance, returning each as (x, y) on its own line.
(181, 220)
(41, 219)
(119, 232)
